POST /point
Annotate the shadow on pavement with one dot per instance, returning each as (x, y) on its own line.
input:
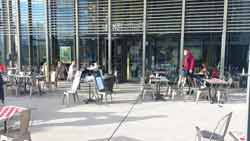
(119, 138)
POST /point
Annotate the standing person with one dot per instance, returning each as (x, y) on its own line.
(188, 68)
(71, 72)
(44, 70)
(61, 71)
(1, 89)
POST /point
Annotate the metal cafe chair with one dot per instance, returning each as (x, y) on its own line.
(73, 90)
(201, 89)
(222, 92)
(102, 89)
(218, 134)
(146, 88)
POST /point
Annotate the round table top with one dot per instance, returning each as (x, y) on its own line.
(159, 79)
(216, 81)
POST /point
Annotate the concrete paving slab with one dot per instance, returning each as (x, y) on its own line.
(148, 121)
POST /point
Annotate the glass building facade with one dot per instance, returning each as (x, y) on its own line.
(130, 36)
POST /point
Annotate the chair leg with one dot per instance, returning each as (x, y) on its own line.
(31, 91)
(5, 89)
(173, 94)
(142, 93)
(74, 97)
(226, 97)
(111, 97)
(198, 135)
(63, 99)
(17, 91)
(170, 90)
(153, 95)
(68, 99)
(198, 96)
(77, 97)
(218, 96)
(106, 98)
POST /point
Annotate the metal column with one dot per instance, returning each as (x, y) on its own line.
(223, 40)
(144, 40)
(30, 32)
(97, 33)
(182, 33)
(8, 3)
(248, 99)
(109, 39)
(47, 44)
(18, 43)
(77, 35)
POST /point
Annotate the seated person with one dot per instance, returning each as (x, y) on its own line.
(215, 73)
(203, 70)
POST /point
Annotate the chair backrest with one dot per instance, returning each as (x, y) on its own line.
(199, 83)
(53, 76)
(101, 73)
(9, 72)
(109, 83)
(76, 81)
(99, 83)
(230, 82)
(223, 124)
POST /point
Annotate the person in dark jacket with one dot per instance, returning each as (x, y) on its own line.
(61, 71)
(1, 89)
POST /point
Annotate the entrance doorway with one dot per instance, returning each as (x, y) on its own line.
(127, 57)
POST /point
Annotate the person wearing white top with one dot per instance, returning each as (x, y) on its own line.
(72, 70)
(93, 67)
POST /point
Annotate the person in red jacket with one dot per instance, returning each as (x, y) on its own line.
(188, 67)
(2, 68)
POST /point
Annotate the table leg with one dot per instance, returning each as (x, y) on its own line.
(39, 87)
(5, 126)
(25, 86)
(210, 95)
(214, 95)
(158, 91)
(90, 99)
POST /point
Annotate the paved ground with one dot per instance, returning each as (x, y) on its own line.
(147, 121)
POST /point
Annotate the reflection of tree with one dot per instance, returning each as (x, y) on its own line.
(167, 54)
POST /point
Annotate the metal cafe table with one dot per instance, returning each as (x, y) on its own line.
(90, 81)
(159, 81)
(39, 79)
(7, 112)
(24, 80)
(215, 84)
(21, 80)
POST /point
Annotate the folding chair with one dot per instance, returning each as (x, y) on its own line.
(222, 93)
(148, 87)
(219, 133)
(200, 89)
(173, 88)
(102, 90)
(73, 90)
